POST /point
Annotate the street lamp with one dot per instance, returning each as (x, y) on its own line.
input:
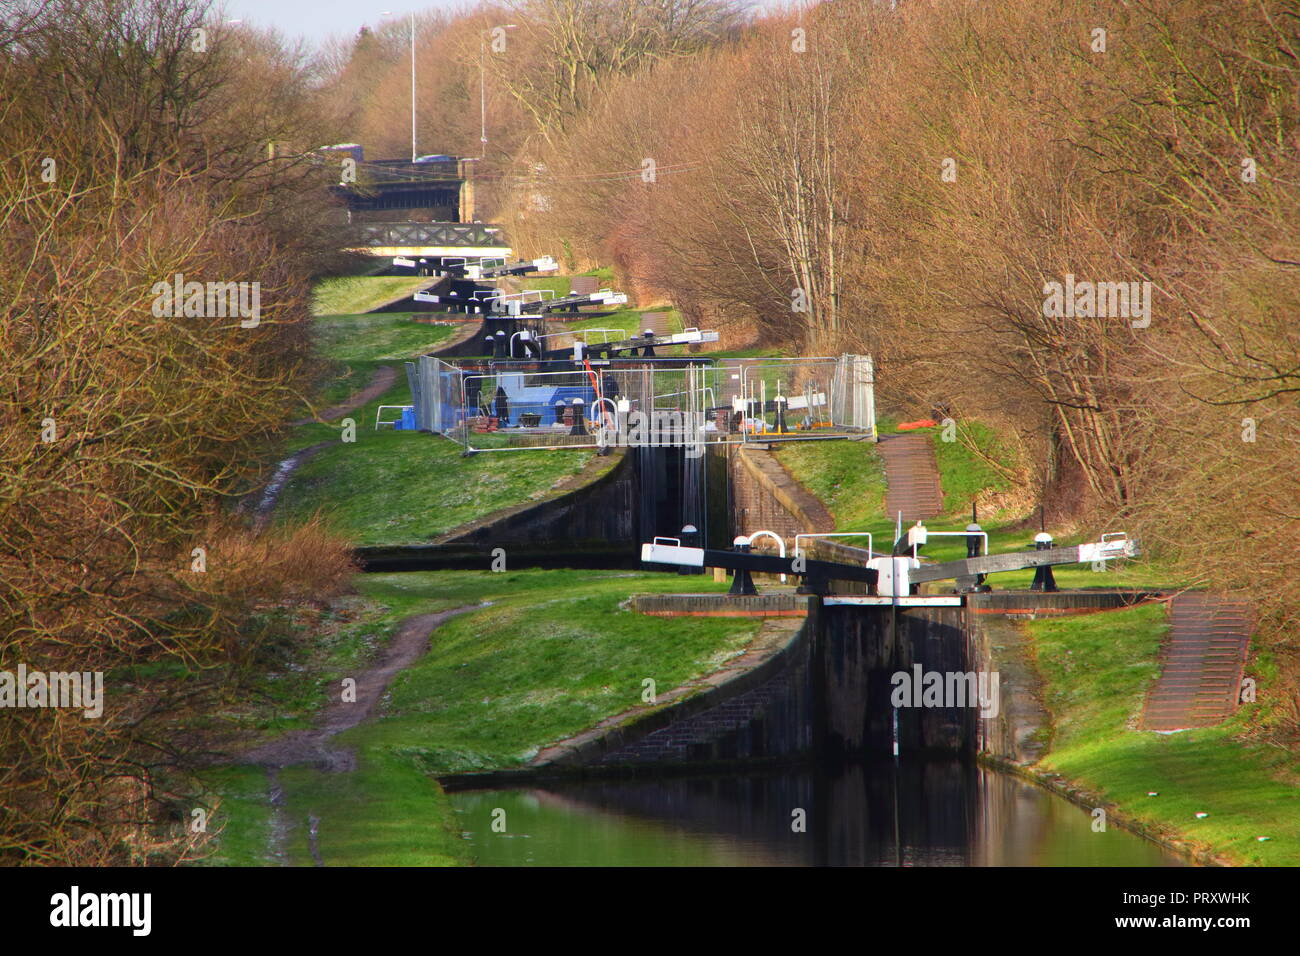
(482, 91)
(388, 13)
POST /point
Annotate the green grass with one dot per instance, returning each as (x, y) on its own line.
(355, 347)
(755, 352)
(377, 337)
(964, 473)
(627, 321)
(346, 295)
(560, 285)
(551, 656)
(241, 823)
(847, 476)
(386, 812)
(392, 487)
(1097, 669)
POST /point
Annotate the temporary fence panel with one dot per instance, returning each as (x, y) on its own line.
(511, 406)
(786, 398)
(437, 392)
(853, 394)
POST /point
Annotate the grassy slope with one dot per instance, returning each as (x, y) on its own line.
(344, 295)
(628, 321)
(1097, 669)
(849, 479)
(242, 821)
(392, 487)
(553, 655)
(356, 346)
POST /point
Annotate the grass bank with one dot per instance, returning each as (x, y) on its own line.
(392, 487)
(1097, 669)
(346, 295)
(552, 655)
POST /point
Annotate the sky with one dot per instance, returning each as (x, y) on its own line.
(317, 20)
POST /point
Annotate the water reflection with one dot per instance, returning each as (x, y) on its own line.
(915, 813)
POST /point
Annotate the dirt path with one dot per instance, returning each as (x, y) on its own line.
(312, 747)
(381, 381)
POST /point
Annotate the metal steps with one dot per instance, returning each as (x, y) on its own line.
(1201, 663)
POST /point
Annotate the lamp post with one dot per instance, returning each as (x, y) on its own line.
(388, 13)
(482, 91)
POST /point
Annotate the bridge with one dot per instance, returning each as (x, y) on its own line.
(428, 239)
(426, 208)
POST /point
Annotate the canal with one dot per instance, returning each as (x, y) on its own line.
(913, 813)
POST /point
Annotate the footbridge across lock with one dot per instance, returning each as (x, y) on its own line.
(891, 579)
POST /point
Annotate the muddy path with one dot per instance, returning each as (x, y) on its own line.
(380, 382)
(313, 747)
(283, 471)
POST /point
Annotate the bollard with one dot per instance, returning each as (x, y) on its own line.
(690, 539)
(649, 336)
(559, 412)
(579, 421)
(780, 428)
(741, 583)
(973, 541)
(1043, 579)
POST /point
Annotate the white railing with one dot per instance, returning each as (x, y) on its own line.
(379, 411)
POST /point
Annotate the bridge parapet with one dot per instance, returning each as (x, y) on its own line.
(416, 235)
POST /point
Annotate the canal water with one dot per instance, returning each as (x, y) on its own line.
(913, 813)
